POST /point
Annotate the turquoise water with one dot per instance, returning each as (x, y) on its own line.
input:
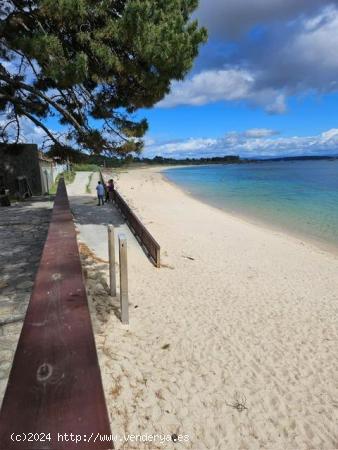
(298, 196)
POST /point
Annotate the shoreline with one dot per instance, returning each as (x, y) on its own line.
(304, 239)
(232, 342)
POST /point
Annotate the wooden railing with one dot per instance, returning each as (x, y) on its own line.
(55, 388)
(143, 236)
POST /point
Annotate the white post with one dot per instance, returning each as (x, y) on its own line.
(123, 279)
(111, 247)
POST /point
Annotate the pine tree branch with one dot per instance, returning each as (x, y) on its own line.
(39, 94)
(114, 131)
(18, 129)
(38, 123)
(43, 127)
(3, 130)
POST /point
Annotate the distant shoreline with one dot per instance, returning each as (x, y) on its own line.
(167, 162)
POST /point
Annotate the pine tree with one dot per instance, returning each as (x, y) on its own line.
(92, 64)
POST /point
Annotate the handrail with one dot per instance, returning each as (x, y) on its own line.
(145, 239)
(55, 388)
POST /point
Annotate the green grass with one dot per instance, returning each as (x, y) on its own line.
(88, 190)
(85, 168)
(68, 176)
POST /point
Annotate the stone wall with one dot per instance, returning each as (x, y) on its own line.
(20, 160)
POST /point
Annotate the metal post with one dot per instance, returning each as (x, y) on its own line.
(123, 278)
(158, 258)
(111, 247)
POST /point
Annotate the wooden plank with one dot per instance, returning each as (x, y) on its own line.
(123, 264)
(55, 382)
(111, 251)
(136, 226)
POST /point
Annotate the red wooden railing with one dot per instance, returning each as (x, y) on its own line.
(143, 236)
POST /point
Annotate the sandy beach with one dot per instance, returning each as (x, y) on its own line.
(231, 343)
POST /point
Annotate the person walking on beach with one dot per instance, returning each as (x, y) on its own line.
(111, 190)
(100, 193)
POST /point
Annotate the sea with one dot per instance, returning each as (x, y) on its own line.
(298, 197)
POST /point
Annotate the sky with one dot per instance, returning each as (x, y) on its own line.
(265, 84)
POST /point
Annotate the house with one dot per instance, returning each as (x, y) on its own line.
(25, 170)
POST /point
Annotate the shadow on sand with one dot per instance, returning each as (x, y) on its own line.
(101, 303)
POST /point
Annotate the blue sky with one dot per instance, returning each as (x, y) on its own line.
(265, 84)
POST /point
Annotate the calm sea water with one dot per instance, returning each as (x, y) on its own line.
(297, 196)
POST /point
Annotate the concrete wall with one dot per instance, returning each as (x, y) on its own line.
(47, 175)
(49, 171)
(20, 160)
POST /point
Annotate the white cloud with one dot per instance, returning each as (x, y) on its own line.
(317, 41)
(295, 55)
(251, 143)
(277, 104)
(263, 52)
(189, 145)
(210, 86)
(222, 85)
(259, 133)
(330, 135)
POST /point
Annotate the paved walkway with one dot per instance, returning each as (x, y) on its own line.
(23, 231)
(92, 220)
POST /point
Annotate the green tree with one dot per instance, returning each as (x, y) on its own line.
(92, 64)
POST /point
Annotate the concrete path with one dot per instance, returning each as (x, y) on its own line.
(79, 185)
(92, 220)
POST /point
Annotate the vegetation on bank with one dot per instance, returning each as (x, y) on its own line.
(88, 190)
(227, 159)
(92, 163)
(85, 167)
(68, 176)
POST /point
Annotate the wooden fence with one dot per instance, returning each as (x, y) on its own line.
(55, 386)
(143, 236)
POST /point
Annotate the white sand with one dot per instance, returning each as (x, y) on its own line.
(250, 320)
